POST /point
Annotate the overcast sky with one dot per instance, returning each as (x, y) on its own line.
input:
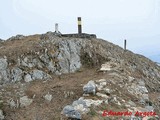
(138, 21)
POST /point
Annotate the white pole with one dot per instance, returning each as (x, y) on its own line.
(56, 28)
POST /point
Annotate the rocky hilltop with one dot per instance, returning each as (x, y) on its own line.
(45, 77)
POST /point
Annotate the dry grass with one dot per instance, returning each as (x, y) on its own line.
(14, 48)
(42, 110)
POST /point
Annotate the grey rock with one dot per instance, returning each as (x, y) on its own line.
(51, 67)
(38, 74)
(103, 83)
(86, 103)
(130, 78)
(5, 76)
(37, 62)
(1, 115)
(137, 89)
(90, 102)
(99, 87)
(16, 74)
(141, 83)
(90, 87)
(80, 101)
(80, 105)
(3, 64)
(145, 96)
(107, 91)
(12, 104)
(48, 97)
(142, 102)
(142, 89)
(24, 64)
(25, 101)
(149, 108)
(69, 111)
(81, 108)
(44, 58)
(27, 78)
(29, 62)
(69, 56)
(30, 65)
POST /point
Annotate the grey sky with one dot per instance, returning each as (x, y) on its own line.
(113, 20)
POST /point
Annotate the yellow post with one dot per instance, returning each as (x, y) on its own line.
(79, 25)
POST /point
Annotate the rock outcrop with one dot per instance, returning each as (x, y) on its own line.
(58, 55)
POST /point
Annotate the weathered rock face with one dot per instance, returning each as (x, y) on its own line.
(69, 56)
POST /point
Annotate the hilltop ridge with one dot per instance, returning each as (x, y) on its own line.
(58, 66)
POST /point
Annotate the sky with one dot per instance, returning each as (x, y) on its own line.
(137, 21)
